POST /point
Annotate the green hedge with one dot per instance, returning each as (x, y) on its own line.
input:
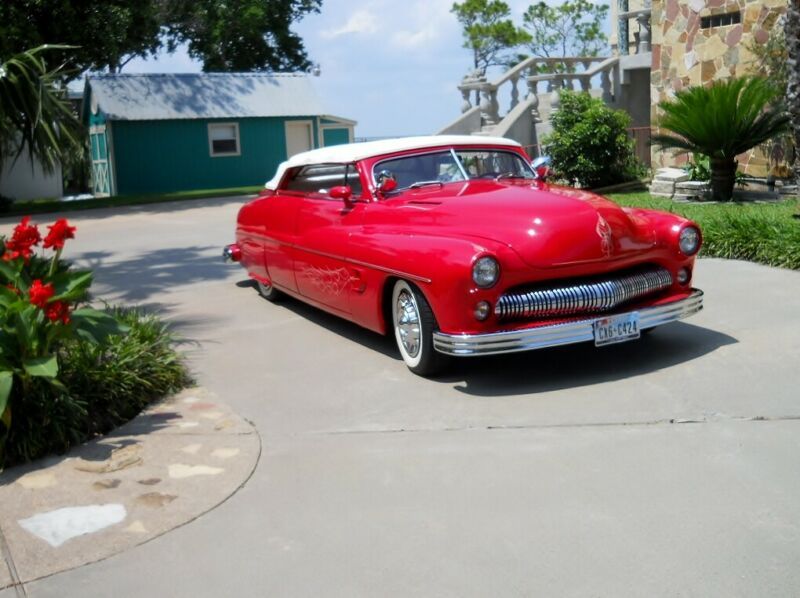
(766, 233)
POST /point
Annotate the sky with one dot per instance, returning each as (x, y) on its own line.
(391, 65)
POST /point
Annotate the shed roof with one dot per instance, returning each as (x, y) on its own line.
(202, 95)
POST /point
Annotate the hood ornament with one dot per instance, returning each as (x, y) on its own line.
(603, 231)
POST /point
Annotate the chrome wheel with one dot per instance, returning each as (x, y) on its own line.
(414, 323)
(407, 318)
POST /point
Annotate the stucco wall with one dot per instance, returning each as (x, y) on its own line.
(684, 54)
(19, 181)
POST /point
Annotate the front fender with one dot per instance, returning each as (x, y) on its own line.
(440, 266)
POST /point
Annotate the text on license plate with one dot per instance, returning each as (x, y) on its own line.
(616, 329)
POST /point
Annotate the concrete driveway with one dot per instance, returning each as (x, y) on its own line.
(664, 467)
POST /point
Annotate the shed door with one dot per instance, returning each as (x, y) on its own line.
(101, 176)
(299, 137)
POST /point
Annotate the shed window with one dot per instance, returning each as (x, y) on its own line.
(223, 139)
(723, 20)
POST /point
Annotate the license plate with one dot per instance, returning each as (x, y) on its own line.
(616, 329)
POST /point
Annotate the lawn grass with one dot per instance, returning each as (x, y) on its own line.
(41, 206)
(766, 233)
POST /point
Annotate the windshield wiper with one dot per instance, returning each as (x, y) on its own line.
(507, 175)
(425, 184)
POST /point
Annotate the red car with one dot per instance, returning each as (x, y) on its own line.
(458, 246)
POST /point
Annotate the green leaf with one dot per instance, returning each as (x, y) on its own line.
(72, 286)
(7, 296)
(8, 273)
(44, 367)
(6, 382)
(95, 325)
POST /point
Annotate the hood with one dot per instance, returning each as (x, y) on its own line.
(547, 226)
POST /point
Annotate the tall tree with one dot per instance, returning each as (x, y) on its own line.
(573, 28)
(35, 115)
(488, 31)
(244, 35)
(104, 35)
(792, 35)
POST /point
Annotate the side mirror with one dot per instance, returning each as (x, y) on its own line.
(386, 182)
(343, 192)
(541, 166)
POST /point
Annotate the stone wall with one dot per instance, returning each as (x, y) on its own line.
(684, 54)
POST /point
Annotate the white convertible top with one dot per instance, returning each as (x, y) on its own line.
(351, 152)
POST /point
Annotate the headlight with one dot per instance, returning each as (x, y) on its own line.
(485, 272)
(689, 240)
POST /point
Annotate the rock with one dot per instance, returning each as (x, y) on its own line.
(674, 175)
(663, 188)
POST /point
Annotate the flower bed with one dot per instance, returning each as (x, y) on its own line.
(67, 370)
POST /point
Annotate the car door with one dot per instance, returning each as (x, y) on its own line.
(280, 224)
(324, 226)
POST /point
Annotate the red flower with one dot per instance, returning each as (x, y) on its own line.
(58, 311)
(59, 233)
(19, 245)
(40, 293)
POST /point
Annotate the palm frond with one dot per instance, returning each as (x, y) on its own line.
(724, 119)
(35, 114)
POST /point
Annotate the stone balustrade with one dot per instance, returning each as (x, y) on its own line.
(557, 73)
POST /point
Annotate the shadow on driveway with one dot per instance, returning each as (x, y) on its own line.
(543, 370)
(140, 278)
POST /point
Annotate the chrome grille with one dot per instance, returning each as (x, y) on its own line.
(591, 297)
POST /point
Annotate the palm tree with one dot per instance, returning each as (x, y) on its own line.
(722, 121)
(35, 115)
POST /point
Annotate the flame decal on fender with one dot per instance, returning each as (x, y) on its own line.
(603, 231)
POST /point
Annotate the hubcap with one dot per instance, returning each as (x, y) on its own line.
(407, 318)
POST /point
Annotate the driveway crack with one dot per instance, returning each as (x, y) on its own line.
(714, 419)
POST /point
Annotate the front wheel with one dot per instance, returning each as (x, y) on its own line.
(414, 324)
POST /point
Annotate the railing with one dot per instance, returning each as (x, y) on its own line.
(642, 37)
(563, 74)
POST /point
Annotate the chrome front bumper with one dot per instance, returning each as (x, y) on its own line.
(559, 334)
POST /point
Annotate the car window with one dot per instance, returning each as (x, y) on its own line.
(490, 164)
(449, 165)
(434, 167)
(317, 179)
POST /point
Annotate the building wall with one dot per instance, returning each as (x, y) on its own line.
(684, 55)
(18, 180)
(335, 136)
(173, 155)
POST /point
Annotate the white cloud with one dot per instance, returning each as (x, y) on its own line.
(360, 22)
(430, 23)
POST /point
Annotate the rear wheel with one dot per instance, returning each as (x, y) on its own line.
(414, 323)
(268, 292)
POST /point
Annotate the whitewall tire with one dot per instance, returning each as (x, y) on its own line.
(413, 324)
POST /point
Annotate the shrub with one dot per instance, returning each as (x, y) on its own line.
(589, 144)
(723, 120)
(105, 386)
(44, 325)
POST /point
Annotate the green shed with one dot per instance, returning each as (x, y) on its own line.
(155, 133)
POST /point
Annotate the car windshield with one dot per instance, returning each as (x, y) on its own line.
(452, 166)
